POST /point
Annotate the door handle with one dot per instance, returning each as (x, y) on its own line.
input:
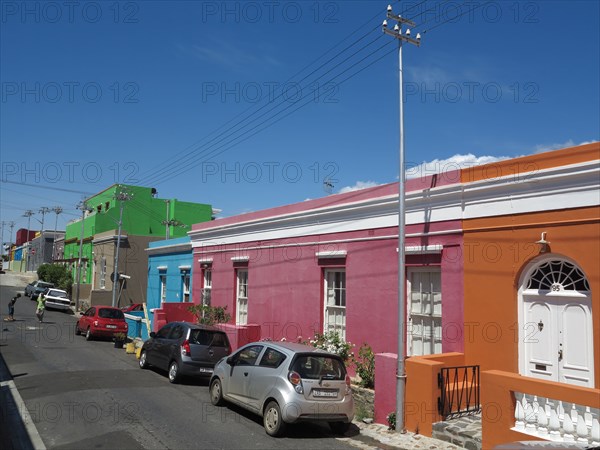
(560, 355)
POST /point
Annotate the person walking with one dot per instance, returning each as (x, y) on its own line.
(41, 306)
(11, 308)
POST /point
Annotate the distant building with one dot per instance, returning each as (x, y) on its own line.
(146, 218)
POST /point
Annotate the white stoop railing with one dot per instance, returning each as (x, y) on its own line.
(556, 420)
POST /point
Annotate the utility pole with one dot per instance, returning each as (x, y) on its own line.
(167, 222)
(11, 225)
(2, 250)
(401, 369)
(57, 210)
(83, 206)
(43, 211)
(28, 214)
(121, 196)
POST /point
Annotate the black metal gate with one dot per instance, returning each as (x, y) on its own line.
(459, 391)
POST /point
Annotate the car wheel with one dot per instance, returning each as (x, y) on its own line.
(174, 372)
(339, 427)
(143, 361)
(216, 392)
(77, 330)
(272, 420)
(88, 335)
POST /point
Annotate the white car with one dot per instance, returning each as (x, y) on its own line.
(57, 299)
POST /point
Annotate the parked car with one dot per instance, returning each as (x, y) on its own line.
(285, 383)
(132, 307)
(185, 349)
(101, 321)
(57, 299)
(35, 288)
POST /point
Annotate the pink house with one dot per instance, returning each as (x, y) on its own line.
(332, 264)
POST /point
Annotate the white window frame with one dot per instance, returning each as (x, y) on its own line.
(206, 285)
(185, 286)
(162, 291)
(334, 289)
(428, 314)
(102, 280)
(242, 296)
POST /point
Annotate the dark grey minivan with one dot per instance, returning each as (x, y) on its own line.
(185, 349)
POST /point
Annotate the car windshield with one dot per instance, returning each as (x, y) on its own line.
(106, 313)
(59, 294)
(44, 285)
(208, 337)
(317, 367)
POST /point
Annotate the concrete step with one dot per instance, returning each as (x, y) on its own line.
(463, 431)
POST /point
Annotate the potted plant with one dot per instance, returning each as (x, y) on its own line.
(120, 339)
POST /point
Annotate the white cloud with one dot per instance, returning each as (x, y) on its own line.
(541, 148)
(455, 162)
(358, 186)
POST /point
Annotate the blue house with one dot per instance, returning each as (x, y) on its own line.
(170, 265)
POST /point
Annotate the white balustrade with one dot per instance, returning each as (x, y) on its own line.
(556, 420)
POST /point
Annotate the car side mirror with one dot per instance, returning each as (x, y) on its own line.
(231, 361)
(152, 334)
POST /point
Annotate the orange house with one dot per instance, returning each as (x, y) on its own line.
(531, 300)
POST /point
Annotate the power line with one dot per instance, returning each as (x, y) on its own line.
(159, 171)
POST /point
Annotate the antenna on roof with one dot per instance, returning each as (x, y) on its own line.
(328, 185)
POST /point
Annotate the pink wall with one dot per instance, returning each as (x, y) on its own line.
(286, 293)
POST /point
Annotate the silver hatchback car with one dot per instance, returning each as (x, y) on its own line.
(285, 383)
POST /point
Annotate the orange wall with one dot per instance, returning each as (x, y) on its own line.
(519, 167)
(497, 249)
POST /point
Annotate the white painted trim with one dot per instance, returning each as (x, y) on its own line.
(162, 267)
(185, 267)
(240, 258)
(179, 248)
(205, 260)
(110, 238)
(331, 254)
(564, 187)
(422, 249)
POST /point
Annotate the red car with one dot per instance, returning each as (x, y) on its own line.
(132, 307)
(101, 321)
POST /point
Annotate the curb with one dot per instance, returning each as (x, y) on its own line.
(33, 439)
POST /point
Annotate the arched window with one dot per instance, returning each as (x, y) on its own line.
(558, 275)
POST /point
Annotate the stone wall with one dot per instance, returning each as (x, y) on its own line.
(364, 402)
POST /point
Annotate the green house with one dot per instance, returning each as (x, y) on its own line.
(145, 218)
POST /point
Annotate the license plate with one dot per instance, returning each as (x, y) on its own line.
(322, 393)
(111, 326)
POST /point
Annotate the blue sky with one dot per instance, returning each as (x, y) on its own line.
(187, 96)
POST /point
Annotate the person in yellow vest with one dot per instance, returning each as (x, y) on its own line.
(41, 306)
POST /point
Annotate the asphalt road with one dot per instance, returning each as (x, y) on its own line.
(83, 394)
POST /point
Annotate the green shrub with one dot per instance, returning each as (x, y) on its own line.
(391, 420)
(332, 342)
(365, 366)
(210, 315)
(56, 274)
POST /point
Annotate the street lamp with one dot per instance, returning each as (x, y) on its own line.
(401, 369)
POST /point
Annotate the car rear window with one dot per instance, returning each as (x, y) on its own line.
(106, 313)
(45, 285)
(209, 337)
(58, 294)
(319, 367)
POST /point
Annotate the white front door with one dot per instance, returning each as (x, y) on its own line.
(335, 302)
(558, 339)
(556, 331)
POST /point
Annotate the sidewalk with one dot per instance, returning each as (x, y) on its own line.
(377, 436)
